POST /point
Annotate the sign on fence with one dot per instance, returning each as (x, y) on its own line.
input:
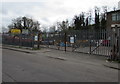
(72, 39)
(36, 38)
(15, 31)
(24, 31)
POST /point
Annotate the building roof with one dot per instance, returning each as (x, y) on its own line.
(114, 11)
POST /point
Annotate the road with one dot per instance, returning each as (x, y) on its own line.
(43, 66)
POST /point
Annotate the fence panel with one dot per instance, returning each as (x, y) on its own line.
(85, 41)
(18, 40)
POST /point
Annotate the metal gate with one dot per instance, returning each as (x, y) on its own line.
(85, 41)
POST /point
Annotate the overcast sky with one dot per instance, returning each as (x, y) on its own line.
(47, 12)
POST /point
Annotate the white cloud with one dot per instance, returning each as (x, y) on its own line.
(48, 12)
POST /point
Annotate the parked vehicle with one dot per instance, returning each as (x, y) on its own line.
(47, 42)
(106, 42)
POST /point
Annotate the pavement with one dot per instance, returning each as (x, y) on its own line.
(48, 65)
(64, 55)
(102, 50)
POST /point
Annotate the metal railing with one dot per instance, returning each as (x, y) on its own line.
(85, 41)
(18, 40)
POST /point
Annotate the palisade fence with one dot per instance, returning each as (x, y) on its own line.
(98, 42)
(85, 41)
(18, 40)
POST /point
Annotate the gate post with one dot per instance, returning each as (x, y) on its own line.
(58, 41)
(38, 42)
(90, 38)
(90, 45)
(65, 39)
(119, 47)
(119, 44)
(116, 43)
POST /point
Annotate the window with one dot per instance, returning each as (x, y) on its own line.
(118, 17)
(114, 17)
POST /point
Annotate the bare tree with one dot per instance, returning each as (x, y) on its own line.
(25, 23)
(97, 18)
(103, 21)
(62, 26)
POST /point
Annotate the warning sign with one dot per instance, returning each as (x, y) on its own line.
(15, 31)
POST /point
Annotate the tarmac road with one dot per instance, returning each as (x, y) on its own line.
(51, 66)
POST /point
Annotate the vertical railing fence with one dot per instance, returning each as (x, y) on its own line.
(18, 40)
(85, 41)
